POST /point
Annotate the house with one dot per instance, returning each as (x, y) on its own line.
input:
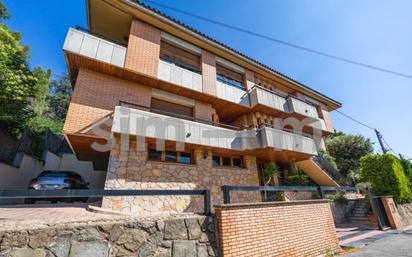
(161, 105)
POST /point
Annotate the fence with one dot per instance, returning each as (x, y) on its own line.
(66, 193)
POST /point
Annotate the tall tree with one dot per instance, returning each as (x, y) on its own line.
(22, 90)
(346, 150)
(58, 98)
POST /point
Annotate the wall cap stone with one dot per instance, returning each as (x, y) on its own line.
(265, 204)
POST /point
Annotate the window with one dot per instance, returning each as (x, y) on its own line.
(235, 162)
(171, 156)
(171, 109)
(185, 158)
(229, 77)
(216, 161)
(226, 161)
(179, 57)
(154, 155)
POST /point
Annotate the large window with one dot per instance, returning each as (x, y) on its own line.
(179, 57)
(229, 77)
(168, 108)
(220, 161)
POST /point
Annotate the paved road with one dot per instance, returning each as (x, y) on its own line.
(394, 246)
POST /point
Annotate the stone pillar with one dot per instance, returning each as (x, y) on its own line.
(143, 50)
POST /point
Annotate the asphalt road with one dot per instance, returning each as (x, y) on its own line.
(399, 245)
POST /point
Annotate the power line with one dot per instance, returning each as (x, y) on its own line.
(355, 120)
(303, 48)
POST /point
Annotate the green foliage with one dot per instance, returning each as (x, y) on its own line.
(22, 90)
(298, 180)
(58, 99)
(346, 150)
(385, 173)
(338, 197)
(269, 172)
(41, 124)
(407, 169)
(4, 13)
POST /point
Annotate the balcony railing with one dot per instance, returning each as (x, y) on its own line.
(298, 106)
(153, 125)
(267, 98)
(94, 47)
(283, 140)
(180, 76)
(232, 94)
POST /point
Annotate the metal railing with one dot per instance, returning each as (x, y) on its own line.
(66, 193)
(326, 166)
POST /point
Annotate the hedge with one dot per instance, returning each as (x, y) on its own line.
(385, 173)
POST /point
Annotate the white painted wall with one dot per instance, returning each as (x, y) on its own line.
(179, 76)
(232, 94)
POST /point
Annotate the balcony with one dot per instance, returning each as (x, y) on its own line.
(153, 125)
(94, 47)
(267, 98)
(283, 140)
(180, 76)
(232, 94)
(298, 106)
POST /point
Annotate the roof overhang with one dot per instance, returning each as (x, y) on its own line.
(113, 18)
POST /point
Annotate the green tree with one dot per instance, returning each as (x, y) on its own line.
(22, 90)
(58, 98)
(407, 169)
(386, 175)
(346, 151)
(269, 172)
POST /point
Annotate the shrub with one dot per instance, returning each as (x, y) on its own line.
(339, 197)
(298, 180)
(386, 176)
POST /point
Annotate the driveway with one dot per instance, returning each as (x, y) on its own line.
(399, 245)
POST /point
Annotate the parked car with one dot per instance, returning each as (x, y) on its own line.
(55, 180)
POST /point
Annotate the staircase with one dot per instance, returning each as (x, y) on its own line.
(360, 212)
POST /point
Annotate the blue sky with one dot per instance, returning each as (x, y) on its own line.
(377, 32)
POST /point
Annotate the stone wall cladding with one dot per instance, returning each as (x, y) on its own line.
(143, 49)
(96, 95)
(192, 236)
(130, 170)
(303, 228)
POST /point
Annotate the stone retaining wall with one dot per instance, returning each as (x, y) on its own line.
(405, 211)
(191, 236)
(342, 211)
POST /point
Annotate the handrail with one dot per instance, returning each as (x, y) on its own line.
(30, 193)
(100, 36)
(326, 166)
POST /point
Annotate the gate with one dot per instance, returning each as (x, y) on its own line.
(381, 215)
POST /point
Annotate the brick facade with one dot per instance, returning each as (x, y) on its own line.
(208, 73)
(131, 170)
(143, 49)
(303, 228)
(96, 95)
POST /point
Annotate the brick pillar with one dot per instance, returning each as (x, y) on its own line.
(249, 79)
(392, 212)
(143, 49)
(208, 73)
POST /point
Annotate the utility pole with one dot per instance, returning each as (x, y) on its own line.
(378, 134)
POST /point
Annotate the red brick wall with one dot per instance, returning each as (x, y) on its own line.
(208, 73)
(143, 49)
(96, 95)
(326, 118)
(249, 79)
(303, 228)
(204, 111)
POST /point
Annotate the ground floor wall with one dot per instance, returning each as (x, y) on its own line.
(130, 169)
(191, 236)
